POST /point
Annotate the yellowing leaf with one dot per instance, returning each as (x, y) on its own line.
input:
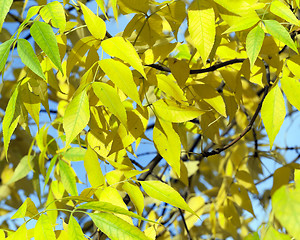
(102, 7)
(167, 143)
(5, 6)
(77, 116)
(211, 96)
(116, 228)
(121, 48)
(286, 207)
(168, 110)
(74, 154)
(4, 52)
(122, 77)
(43, 229)
(165, 193)
(55, 13)
(110, 99)
(180, 70)
(170, 87)
(279, 32)
(11, 118)
(74, 230)
(293, 64)
(201, 25)
(254, 42)
(271, 234)
(273, 112)
(283, 11)
(93, 169)
(280, 177)
(68, 178)
(23, 168)
(291, 88)
(111, 208)
(43, 35)
(27, 209)
(94, 23)
(134, 6)
(136, 196)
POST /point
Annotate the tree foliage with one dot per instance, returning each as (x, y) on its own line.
(162, 129)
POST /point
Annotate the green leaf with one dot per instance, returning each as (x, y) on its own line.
(279, 32)
(5, 6)
(68, 178)
(272, 234)
(110, 99)
(94, 23)
(11, 118)
(291, 88)
(165, 193)
(23, 168)
(281, 10)
(74, 154)
(121, 48)
(254, 43)
(55, 13)
(74, 230)
(201, 25)
(43, 35)
(77, 116)
(273, 113)
(43, 229)
(4, 52)
(108, 207)
(122, 77)
(286, 207)
(52, 163)
(116, 228)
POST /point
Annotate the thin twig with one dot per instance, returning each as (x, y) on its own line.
(185, 226)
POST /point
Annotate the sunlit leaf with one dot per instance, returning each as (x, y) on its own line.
(27, 209)
(282, 10)
(201, 25)
(23, 168)
(76, 116)
(110, 99)
(4, 52)
(279, 32)
(273, 113)
(291, 88)
(165, 193)
(254, 42)
(43, 35)
(121, 48)
(5, 6)
(74, 229)
(43, 229)
(68, 178)
(55, 13)
(94, 23)
(286, 207)
(116, 228)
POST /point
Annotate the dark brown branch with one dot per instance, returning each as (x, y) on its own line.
(203, 70)
(185, 226)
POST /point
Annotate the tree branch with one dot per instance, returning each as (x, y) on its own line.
(203, 70)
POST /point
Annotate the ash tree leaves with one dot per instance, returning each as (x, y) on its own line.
(177, 80)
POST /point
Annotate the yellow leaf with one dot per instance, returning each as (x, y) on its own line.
(168, 85)
(133, 6)
(122, 77)
(94, 23)
(281, 177)
(201, 25)
(136, 196)
(167, 143)
(293, 64)
(27, 209)
(110, 99)
(180, 70)
(55, 13)
(211, 96)
(283, 11)
(240, 197)
(197, 204)
(245, 179)
(93, 169)
(165, 193)
(273, 113)
(168, 110)
(77, 116)
(291, 88)
(74, 230)
(111, 195)
(121, 48)
(43, 229)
